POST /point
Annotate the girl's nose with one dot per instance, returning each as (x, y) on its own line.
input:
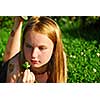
(35, 52)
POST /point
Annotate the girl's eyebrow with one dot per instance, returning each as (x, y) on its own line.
(28, 44)
(40, 45)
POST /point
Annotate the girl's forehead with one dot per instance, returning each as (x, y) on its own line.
(38, 38)
(35, 35)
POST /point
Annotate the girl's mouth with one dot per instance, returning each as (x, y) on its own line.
(34, 61)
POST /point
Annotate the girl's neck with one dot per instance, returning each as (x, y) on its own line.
(42, 78)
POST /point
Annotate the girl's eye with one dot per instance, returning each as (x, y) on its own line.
(28, 46)
(42, 48)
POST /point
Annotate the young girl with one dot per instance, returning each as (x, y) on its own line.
(42, 48)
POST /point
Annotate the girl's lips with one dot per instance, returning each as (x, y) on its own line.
(34, 61)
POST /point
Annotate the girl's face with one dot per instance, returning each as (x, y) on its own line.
(38, 49)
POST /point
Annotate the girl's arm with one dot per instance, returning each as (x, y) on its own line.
(13, 44)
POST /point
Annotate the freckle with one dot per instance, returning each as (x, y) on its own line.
(12, 33)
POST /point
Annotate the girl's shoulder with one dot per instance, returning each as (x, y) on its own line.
(13, 69)
(15, 59)
(10, 65)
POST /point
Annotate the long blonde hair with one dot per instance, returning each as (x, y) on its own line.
(46, 26)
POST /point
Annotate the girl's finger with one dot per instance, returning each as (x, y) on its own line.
(29, 77)
(25, 77)
(33, 77)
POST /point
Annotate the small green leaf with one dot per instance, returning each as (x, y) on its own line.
(26, 65)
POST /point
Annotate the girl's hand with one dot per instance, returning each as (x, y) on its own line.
(17, 21)
(28, 77)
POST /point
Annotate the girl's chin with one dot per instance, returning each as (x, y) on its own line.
(35, 66)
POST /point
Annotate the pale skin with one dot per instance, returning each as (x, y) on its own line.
(13, 44)
(38, 49)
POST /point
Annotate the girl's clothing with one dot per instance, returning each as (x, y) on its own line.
(3, 73)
